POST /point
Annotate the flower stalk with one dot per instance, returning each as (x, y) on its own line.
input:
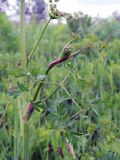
(38, 41)
(22, 28)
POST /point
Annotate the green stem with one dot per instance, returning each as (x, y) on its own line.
(71, 97)
(50, 83)
(37, 42)
(26, 140)
(54, 90)
(22, 26)
(51, 94)
(39, 86)
(48, 96)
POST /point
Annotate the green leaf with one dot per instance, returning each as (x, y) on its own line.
(77, 134)
(95, 112)
(98, 100)
(38, 105)
(81, 79)
(36, 108)
(15, 93)
(22, 87)
(69, 65)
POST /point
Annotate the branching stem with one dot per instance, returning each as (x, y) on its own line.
(54, 90)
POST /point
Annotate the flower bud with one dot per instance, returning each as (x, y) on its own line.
(29, 112)
(50, 147)
(75, 35)
(55, 13)
(66, 51)
(70, 149)
(60, 152)
(11, 89)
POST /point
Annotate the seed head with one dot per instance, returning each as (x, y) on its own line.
(55, 13)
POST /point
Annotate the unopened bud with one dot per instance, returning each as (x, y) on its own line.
(66, 50)
(29, 112)
(75, 35)
(11, 89)
(60, 152)
(70, 149)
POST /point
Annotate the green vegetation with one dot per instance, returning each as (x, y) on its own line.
(79, 119)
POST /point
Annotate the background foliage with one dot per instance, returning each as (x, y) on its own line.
(85, 109)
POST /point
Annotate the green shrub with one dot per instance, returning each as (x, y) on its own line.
(8, 35)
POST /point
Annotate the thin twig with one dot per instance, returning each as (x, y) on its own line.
(74, 54)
